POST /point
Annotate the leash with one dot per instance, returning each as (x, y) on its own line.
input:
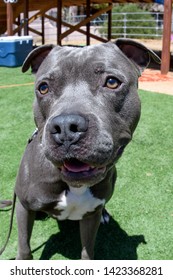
(5, 203)
(11, 224)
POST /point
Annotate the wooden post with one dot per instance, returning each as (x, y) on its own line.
(59, 21)
(88, 24)
(42, 30)
(26, 8)
(9, 19)
(110, 22)
(166, 37)
(18, 22)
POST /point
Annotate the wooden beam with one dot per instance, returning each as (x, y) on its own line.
(59, 21)
(30, 20)
(84, 22)
(26, 10)
(88, 23)
(9, 19)
(35, 31)
(18, 23)
(84, 32)
(43, 29)
(165, 65)
(73, 28)
(110, 22)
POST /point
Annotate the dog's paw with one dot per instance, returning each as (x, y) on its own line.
(24, 257)
(105, 218)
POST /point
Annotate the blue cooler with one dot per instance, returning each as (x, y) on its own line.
(14, 49)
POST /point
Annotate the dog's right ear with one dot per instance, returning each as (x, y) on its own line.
(36, 57)
(137, 53)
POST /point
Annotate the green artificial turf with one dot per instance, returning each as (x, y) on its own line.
(141, 226)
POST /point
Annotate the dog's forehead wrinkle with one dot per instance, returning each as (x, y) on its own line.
(66, 60)
(77, 90)
(99, 57)
(50, 75)
(81, 54)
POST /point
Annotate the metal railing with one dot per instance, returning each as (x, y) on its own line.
(137, 25)
(144, 24)
(127, 25)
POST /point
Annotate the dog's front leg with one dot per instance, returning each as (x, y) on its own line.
(25, 221)
(88, 231)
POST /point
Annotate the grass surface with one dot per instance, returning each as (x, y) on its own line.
(141, 226)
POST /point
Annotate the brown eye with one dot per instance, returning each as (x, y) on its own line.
(43, 88)
(112, 83)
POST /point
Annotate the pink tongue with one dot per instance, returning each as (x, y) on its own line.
(76, 166)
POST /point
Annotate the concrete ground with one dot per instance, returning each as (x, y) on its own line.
(152, 80)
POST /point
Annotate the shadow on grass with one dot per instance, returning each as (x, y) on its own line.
(112, 243)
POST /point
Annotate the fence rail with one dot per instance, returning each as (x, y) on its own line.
(137, 25)
(127, 25)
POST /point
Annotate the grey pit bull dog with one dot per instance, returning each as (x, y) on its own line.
(86, 109)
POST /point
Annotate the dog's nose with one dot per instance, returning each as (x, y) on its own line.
(68, 129)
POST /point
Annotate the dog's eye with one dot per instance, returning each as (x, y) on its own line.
(112, 83)
(43, 88)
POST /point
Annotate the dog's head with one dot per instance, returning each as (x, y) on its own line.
(87, 106)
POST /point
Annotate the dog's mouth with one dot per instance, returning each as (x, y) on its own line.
(77, 172)
(76, 169)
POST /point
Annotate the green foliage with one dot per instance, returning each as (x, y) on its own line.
(136, 25)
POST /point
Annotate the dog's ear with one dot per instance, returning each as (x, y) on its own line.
(36, 57)
(137, 52)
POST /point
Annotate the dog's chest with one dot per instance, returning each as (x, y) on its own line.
(75, 203)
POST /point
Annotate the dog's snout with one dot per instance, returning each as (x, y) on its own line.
(68, 129)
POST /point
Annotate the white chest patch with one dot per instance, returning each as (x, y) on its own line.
(76, 203)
